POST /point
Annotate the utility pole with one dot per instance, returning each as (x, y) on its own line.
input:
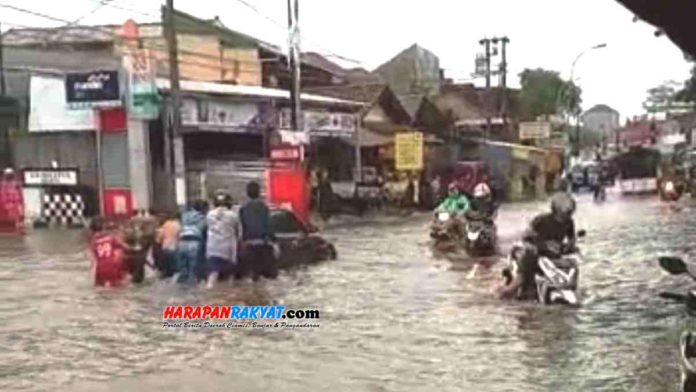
(503, 77)
(487, 44)
(2, 67)
(175, 91)
(294, 63)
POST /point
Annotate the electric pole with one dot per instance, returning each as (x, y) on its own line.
(2, 67)
(294, 63)
(175, 91)
(487, 44)
(503, 77)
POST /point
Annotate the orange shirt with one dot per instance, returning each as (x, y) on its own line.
(168, 234)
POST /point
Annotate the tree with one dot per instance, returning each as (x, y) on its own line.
(545, 93)
(665, 98)
(688, 93)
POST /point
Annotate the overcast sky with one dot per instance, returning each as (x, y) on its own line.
(543, 33)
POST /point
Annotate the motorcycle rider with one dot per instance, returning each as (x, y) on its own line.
(482, 205)
(549, 234)
(455, 204)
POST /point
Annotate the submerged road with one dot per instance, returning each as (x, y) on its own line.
(393, 317)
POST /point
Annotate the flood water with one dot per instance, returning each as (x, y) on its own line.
(393, 317)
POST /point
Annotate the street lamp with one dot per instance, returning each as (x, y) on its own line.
(570, 82)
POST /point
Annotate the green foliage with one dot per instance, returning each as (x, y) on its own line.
(688, 93)
(667, 97)
(545, 93)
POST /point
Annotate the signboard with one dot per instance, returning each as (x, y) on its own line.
(218, 115)
(48, 109)
(535, 130)
(92, 89)
(286, 153)
(409, 151)
(142, 98)
(50, 177)
(328, 124)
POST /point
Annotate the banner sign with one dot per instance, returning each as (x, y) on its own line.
(535, 130)
(50, 177)
(49, 112)
(93, 89)
(218, 115)
(323, 123)
(142, 98)
(409, 151)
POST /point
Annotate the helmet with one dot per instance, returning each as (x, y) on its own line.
(562, 204)
(453, 187)
(482, 191)
(9, 171)
(222, 199)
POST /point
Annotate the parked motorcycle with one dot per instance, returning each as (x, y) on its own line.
(446, 231)
(687, 342)
(557, 281)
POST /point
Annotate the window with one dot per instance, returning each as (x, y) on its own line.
(285, 222)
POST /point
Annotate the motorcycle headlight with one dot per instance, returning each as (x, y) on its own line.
(443, 216)
(669, 186)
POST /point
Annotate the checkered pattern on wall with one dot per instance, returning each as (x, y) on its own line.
(63, 209)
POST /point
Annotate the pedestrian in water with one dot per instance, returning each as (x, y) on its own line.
(168, 240)
(11, 203)
(191, 243)
(106, 254)
(139, 236)
(224, 230)
(257, 255)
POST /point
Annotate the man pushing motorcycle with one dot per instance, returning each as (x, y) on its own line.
(549, 234)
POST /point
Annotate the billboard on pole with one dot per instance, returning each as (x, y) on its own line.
(409, 151)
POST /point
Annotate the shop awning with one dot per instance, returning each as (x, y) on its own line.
(253, 92)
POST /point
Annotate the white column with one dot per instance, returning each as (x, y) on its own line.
(180, 171)
(140, 164)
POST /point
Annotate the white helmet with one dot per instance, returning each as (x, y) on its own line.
(9, 171)
(481, 191)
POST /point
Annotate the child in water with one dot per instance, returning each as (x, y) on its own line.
(106, 251)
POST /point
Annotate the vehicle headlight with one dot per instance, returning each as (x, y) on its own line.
(669, 186)
(443, 216)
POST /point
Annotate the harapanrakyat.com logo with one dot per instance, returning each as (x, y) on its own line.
(234, 317)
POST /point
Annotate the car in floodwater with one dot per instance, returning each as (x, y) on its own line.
(300, 243)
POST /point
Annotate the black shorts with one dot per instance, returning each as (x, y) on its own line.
(257, 261)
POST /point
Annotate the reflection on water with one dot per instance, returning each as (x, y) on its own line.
(393, 318)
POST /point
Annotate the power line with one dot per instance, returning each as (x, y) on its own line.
(30, 12)
(118, 6)
(281, 25)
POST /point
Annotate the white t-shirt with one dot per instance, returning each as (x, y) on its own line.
(224, 230)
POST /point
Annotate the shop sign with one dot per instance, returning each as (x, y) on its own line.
(286, 153)
(326, 124)
(535, 130)
(92, 89)
(409, 151)
(50, 177)
(142, 98)
(218, 115)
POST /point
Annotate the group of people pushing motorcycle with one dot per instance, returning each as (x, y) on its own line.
(543, 266)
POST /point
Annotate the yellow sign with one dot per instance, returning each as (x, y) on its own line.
(409, 151)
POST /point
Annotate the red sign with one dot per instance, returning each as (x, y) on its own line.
(286, 153)
(117, 202)
(289, 188)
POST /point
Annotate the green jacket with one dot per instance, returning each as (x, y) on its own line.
(454, 205)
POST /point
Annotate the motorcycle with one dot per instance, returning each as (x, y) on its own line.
(669, 191)
(481, 235)
(557, 281)
(687, 342)
(446, 231)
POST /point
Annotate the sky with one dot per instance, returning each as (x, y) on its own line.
(547, 34)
